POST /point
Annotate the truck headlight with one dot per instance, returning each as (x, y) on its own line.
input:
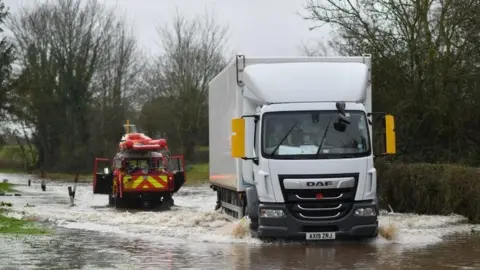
(366, 212)
(271, 213)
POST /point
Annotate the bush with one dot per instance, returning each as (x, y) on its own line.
(430, 188)
(12, 157)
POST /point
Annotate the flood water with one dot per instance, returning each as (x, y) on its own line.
(90, 235)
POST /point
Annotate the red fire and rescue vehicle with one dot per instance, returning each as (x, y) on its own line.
(142, 173)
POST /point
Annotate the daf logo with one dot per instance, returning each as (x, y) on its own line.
(319, 184)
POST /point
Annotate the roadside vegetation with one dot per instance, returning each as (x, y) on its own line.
(5, 187)
(70, 98)
(11, 225)
(423, 188)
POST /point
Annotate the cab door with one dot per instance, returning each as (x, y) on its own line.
(102, 176)
(177, 167)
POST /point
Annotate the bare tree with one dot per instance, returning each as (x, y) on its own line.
(67, 49)
(114, 88)
(426, 66)
(151, 80)
(193, 55)
(319, 48)
(6, 59)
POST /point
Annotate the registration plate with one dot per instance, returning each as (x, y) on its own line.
(320, 236)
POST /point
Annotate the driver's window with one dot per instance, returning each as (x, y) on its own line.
(362, 126)
(136, 164)
(362, 129)
(143, 164)
(275, 132)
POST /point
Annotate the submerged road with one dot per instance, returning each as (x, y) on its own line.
(91, 235)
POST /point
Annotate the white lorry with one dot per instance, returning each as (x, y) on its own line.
(291, 146)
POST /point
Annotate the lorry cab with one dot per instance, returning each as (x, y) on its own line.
(311, 163)
(316, 144)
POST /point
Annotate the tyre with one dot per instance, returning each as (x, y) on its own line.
(166, 204)
(254, 228)
(120, 202)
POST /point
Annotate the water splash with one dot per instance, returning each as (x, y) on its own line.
(192, 219)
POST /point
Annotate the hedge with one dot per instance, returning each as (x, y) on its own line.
(423, 188)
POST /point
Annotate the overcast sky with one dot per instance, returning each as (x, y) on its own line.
(256, 27)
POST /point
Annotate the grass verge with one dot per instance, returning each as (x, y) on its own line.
(6, 187)
(10, 225)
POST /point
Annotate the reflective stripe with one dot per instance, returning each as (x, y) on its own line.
(140, 182)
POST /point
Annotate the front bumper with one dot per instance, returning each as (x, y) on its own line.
(146, 195)
(290, 227)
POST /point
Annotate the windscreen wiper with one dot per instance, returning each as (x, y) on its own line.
(284, 138)
(323, 138)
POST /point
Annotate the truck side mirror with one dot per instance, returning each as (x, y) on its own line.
(340, 107)
(388, 132)
(342, 118)
(339, 126)
(238, 138)
(241, 143)
(390, 140)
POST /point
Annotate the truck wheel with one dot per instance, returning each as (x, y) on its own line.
(170, 203)
(166, 203)
(254, 227)
(119, 202)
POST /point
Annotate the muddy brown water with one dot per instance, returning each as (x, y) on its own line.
(92, 236)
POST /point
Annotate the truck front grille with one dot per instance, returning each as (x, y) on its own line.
(319, 203)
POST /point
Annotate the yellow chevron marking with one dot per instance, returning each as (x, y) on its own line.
(155, 182)
(133, 184)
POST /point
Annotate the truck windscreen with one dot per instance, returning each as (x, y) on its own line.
(298, 135)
